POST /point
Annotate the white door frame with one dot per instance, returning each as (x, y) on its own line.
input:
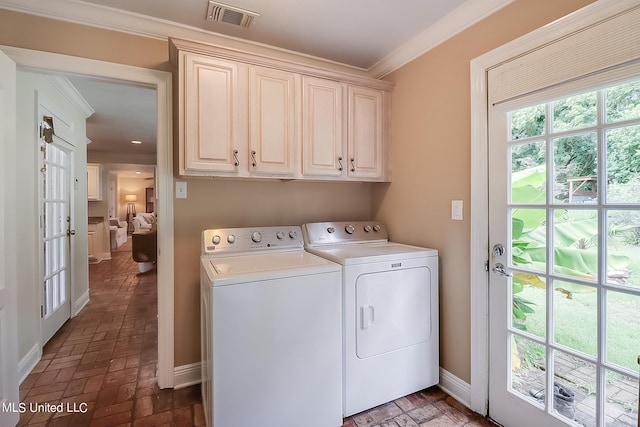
(161, 82)
(479, 278)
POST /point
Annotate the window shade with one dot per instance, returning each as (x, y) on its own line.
(607, 45)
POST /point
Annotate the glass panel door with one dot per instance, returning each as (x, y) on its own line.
(565, 194)
(55, 224)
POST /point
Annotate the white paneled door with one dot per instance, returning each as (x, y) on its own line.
(9, 397)
(564, 172)
(55, 226)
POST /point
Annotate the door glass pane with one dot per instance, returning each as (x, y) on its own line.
(623, 164)
(575, 315)
(575, 112)
(528, 372)
(528, 173)
(528, 122)
(574, 395)
(575, 239)
(575, 171)
(529, 300)
(623, 329)
(529, 239)
(623, 102)
(621, 407)
(623, 247)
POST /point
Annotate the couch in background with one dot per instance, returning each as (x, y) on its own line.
(118, 233)
(143, 221)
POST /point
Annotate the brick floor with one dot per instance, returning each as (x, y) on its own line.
(428, 408)
(101, 365)
(101, 368)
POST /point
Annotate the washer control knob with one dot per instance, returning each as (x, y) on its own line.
(256, 236)
(280, 235)
(349, 229)
(367, 228)
(231, 238)
(293, 234)
(215, 239)
(376, 227)
(331, 230)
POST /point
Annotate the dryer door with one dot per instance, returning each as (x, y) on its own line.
(393, 310)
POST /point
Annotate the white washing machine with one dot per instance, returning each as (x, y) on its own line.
(271, 330)
(390, 311)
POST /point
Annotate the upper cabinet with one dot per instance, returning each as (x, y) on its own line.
(212, 119)
(323, 148)
(245, 115)
(94, 182)
(273, 124)
(366, 133)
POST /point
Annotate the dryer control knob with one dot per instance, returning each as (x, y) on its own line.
(293, 234)
(215, 239)
(367, 228)
(231, 238)
(280, 235)
(376, 227)
(350, 229)
(256, 236)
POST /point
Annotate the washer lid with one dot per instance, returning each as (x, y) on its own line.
(241, 268)
(361, 253)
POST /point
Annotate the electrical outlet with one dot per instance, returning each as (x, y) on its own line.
(181, 190)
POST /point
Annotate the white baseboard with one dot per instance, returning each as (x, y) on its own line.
(79, 303)
(186, 375)
(455, 387)
(29, 361)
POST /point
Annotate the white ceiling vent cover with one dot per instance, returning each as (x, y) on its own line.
(220, 12)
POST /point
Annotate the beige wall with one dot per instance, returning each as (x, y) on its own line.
(431, 164)
(219, 203)
(431, 159)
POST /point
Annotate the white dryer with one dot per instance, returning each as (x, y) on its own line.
(390, 311)
(271, 330)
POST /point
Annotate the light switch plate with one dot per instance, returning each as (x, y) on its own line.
(181, 190)
(456, 210)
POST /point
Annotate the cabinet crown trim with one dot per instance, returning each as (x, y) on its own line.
(180, 45)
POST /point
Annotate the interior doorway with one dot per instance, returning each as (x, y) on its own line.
(50, 63)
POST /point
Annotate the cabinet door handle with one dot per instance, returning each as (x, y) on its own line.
(353, 165)
(236, 162)
(340, 163)
(253, 158)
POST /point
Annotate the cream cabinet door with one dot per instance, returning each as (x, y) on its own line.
(212, 115)
(273, 112)
(323, 139)
(94, 184)
(365, 133)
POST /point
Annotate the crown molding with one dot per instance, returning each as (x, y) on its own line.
(68, 90)
(458, 20)
(78, 12)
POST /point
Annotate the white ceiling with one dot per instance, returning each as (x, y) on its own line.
(374, 36)
(354, 32)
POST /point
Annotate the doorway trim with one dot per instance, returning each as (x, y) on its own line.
(161, 81)
(479, 278)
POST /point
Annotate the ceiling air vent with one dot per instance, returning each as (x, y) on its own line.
(219, 12)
